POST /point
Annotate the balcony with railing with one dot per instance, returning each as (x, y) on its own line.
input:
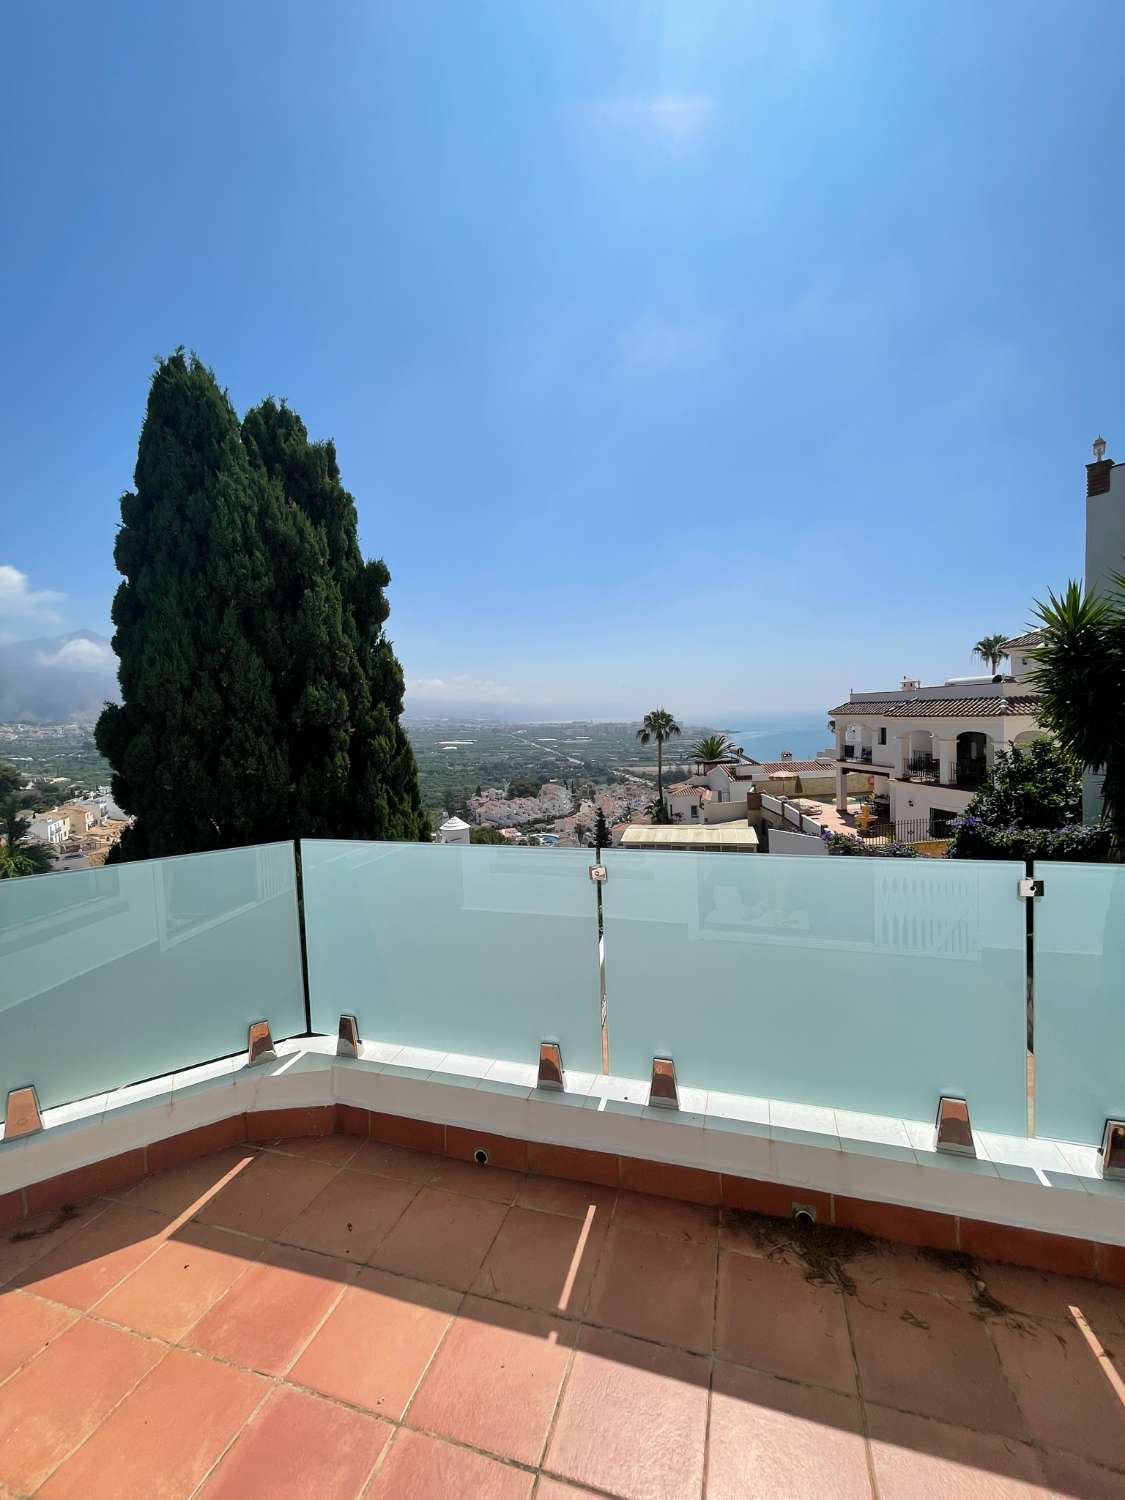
(516, 1192)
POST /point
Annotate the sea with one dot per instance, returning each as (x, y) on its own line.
(803, 734)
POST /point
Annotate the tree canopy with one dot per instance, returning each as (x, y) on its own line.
(1029, 806)
(260, 697)
(714, 747)
(990, 649)
(1080, 675)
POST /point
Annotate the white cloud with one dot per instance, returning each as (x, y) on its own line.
(679, 116)
(79, 655)
(459, 688)
(33, 607)
(662, 344)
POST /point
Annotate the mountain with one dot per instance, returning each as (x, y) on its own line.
(57, 678)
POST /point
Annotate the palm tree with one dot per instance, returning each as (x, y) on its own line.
(1080, 675)
(990, 649)
(17, 855)
(658, 725)
(715, 747)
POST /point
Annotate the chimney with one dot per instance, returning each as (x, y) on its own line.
(1097, 473)
(911, 684)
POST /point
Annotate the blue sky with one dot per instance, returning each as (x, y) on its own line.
(722, 355)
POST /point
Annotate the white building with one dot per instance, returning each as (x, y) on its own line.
(453, 831)
(555, 799)
(927, 750)
(51, 827)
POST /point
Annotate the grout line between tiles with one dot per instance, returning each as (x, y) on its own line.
(864, 1423)
(265, 1397)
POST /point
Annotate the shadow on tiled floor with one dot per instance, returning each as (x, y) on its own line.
(337, 1318)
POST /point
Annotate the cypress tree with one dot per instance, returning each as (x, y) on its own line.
(260, 699)
(338, 686)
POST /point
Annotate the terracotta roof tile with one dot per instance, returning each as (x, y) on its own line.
(1022, 642)
(941, 708)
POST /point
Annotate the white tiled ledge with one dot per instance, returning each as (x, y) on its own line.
(1033, 1184)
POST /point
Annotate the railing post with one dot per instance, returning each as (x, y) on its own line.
(301, 935)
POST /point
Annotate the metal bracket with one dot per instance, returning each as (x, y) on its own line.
(259, 1044)
(551, 1075)
(347, 1043)
(22, 1115)
(1113, 1149)
(662, 1092)
(598, 873)
(1030, 888)
(954, 1129)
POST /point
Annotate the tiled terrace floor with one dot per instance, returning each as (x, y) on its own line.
(335, 1318)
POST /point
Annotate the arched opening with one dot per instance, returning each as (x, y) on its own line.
(972, 759)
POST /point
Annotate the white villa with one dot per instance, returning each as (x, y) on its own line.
(927, 750)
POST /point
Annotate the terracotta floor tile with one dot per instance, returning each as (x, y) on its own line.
(542, 1260)
(632, 1418)
(36, 1237)
(756, 1235)
(161, 1440)
(266, 1197)
(336, 1150)
(899, 1268)
(180, 1189)
(1041, 1296)
(926, 1460)
(86, 1266)
(655, 1287)
(402, 1320)
(774, 1439)
(555, 1196)
(1071, 1476)
(442, 1237)
(496, 1184)
(172, 1290)
(495, 1380)
(395, 1161)
(1070, 1398)
(270, 1313)
(934, 1357)
(57, 1400)
(687, 1221)
(424, 1468)
(26, 1325)
(351, 1215)
(770, 1317)
(298, 1447)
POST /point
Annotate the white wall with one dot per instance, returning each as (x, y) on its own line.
(784, 841)
(923, 796)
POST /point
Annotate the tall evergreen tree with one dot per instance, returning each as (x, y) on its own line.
(253, 666)
(338, 686)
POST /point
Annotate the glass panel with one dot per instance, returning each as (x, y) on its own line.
(479, 950)
(868, 984)
(1079, 1000)
(114, 975)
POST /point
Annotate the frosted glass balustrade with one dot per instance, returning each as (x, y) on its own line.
(114, 975)
(1079, 1000)
(866, 984)
(479, 950)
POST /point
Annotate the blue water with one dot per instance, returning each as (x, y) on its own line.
(766, 741)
